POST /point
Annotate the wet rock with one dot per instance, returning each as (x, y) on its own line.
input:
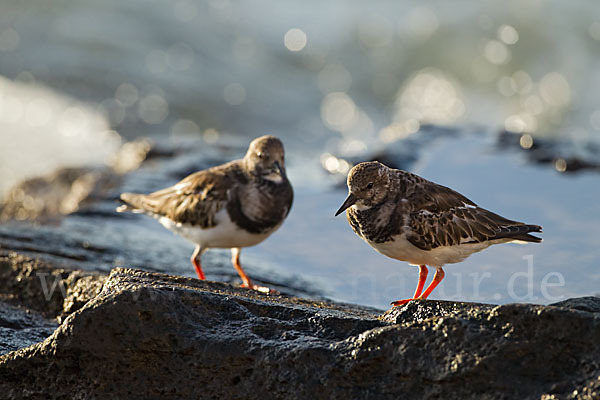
(21, 328)
(401, 153)
(61, 192)
(68, 189)
(558, 154)
(154, 335)
(589, 304)
(404, 152)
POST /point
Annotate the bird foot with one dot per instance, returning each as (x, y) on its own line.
(401, 302)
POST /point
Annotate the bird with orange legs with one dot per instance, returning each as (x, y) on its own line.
(409, 218)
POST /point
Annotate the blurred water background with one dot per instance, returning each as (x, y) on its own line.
(432, 87)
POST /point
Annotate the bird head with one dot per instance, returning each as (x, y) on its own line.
(266, 158)
(368, 184)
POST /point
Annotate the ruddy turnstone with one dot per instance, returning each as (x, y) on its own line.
(409, 218)
(234, 205)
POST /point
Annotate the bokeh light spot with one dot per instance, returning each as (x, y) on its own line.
(126, 94)
(508, 34)
(180, 57)
(335, 165)
(153, 109)
(526, 141)
(505, 86)
(295, 39)
(429, 96)
(595, 120)
(560, 165)
(210, 135)
(522, 122)
(184, 127)
(555, 89)
(338, 111)
(399, 130)
(496, 52)
(521, 82)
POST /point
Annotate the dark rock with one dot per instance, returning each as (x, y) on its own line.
(61, 192)
(399, 154)
(150, 335)
(403, 153)
(425, 309)
(589, 304)
(21, 328)
(556, 153)
(37, 285)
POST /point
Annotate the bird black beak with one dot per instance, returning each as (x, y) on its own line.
(350, 200)
(278, 168)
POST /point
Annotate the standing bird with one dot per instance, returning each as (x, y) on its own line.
(234, 205)
(409, 218)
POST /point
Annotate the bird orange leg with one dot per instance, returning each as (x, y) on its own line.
(196, 262)
(246, 282)
(235, 260)
(423, 271)
(437, 278)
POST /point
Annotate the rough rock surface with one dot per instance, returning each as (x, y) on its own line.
(37, 285)
(150, 335)
(34, 296)
(20, 327)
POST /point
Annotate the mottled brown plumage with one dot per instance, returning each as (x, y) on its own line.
(196, 199)
(233, 205)
(412, 219)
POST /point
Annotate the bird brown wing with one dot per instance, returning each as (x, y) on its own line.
(429, 196)
(444, 217)
(194, 200)
(463, 225)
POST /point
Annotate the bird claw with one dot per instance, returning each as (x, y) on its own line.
(401, 302)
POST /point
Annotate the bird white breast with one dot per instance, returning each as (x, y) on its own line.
(403, 250)
(224, 235)
(360, 206)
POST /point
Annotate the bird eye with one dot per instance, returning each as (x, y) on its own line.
(370, 185)
(260, 155)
